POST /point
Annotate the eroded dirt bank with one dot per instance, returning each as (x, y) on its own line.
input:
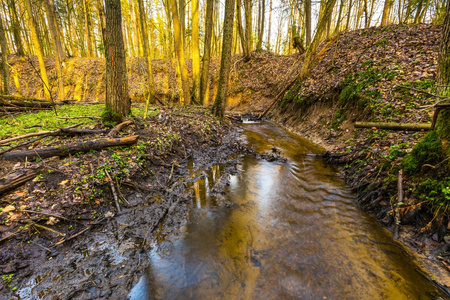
(62, 236)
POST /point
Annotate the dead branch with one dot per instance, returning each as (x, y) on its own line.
(113, 189)
(71, 237)
(115, 131)
(80, 117)
(6, 141)
(49, 215)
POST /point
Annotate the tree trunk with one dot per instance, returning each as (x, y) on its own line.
(270, 25)
(443, 121)
(37, 46)
(4, 49)
(308, 22)
(16, 28)
(87, 27)
(117, 99)
(101, 16)
(195, 53)
(386, 9)
(225, 63)
(150, 79)
(241, 28)
(55, 40)
(207, 50)
(179, 49)
(261, 26)
(248, 5)
(59, 44)
(348, 15)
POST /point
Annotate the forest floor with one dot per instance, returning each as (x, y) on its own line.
(67, 212)
(376, 74)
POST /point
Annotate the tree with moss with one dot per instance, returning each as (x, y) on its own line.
(443, 122)
(118, 103)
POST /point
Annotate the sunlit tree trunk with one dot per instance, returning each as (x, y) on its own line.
(146, 48)
(207, 51)
(349, 13)
(54, 25)
(117, 98)
(179, 50)
(241, 28)
(37, 48)
(87, 28)
(248, 5)
(55, 41)
(15, 24)
(101, 16)
(308, 22)
(261, 25)
(225, 63)
(270, 26)
(195, 53)
(338, 21)
(4, 65)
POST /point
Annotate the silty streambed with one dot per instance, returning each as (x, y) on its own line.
(289, 230)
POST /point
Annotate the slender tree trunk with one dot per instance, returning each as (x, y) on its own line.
(418, 11)
(321, 27)
(146, 48)
(37, 47)
(182, 19)
(117, 98)
(195, 53)
(179, 49)
(53, 22)
(308, 22)
(87, 28)
(16, 28)
(338, 21)
(270, 26)
(4, 49)
(55, 40)
(261, 26)
(101, 16)
(241, 29)
(248, 5)
(225, 64)
(207, 50)
(350, 5)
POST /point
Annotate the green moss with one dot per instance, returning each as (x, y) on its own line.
(426, 151)
(338, 118)
(110, 118)
(443, 132)
(435, 190)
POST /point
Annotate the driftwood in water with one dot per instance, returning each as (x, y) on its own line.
(14, 180)
(65, 150)
(394, 126)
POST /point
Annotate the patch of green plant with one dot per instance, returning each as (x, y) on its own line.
(381, 42)
(435, 190)
(47, 120)
(110, 118)
(338, 118)
(426, 151)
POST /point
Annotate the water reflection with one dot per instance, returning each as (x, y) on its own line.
(293, 231)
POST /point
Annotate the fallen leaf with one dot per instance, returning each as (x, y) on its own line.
(8, 208)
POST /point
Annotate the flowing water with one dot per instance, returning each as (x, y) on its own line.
(290, 230)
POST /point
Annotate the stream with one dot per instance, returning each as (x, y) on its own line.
(287, 230)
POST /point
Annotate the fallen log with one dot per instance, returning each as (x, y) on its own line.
(395, 126)
(65, 150)
(14, 180)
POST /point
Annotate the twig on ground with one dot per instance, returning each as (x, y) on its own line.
(113, 189)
